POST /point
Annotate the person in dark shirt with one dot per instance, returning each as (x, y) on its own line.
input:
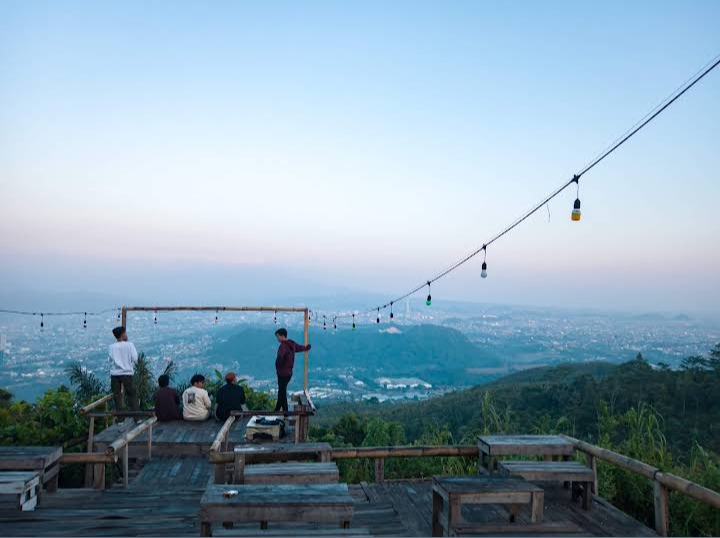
(230, 397)
(284, 365)
(167, 401)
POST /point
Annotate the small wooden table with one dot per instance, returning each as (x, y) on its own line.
(563, 471)
(264, 503)
(43, 459)
(451, 492)
(20, 488)
(549, 446)
(293, 472)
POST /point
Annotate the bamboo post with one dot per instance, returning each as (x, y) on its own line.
(239, 468)
(126, 478)
(306, 329)
(99, 476)
(379, 470)
(150, 442)
(88, 466)
(662, 512)
(592, 463)
(123, 315)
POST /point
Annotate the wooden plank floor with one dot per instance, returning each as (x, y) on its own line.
(179, 438)
(164, 500)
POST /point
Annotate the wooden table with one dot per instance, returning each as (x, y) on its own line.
(264, 503)
(549, 446)
(451, 492)
(573, 472)
(43, 459)
(293, 472)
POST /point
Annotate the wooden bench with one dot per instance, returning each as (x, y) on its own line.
(291, 473)
(270, 453)
(45, 460)
(265, 503)
(19, 489)
(561, 471)
(451, 492)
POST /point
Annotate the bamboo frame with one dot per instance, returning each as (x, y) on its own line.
(306, 321)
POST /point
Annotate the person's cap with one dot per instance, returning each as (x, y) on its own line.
(230, 377)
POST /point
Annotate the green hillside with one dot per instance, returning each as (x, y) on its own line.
(439, 355)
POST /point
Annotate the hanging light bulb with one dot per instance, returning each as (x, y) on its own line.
(216, 316)
(428, 301)
(155, 317)
(118, 318)
(576, 213)
(391, 312)
(42, 321)
(334, 324)
(378, 315)
(483, 270)
(275, 317)
(354, 326)
(85, 321)
(309, 317)
(324, 323)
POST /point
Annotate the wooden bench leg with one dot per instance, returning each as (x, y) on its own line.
(575, 491)
(205, 528)
(263, 525)
(345, 525)
(587, 495)
(228, 524)
(437, 529)
(537, 506)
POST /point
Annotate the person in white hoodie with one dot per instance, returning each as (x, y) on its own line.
(123, 357)
(196, 401)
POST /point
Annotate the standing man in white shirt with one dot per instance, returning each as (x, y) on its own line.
(123, 357)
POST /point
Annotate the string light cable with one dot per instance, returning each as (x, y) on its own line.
(575, 215)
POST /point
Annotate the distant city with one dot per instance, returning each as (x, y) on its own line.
(348, 364)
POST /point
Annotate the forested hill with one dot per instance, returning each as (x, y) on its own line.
(438, 355)
(569, 398)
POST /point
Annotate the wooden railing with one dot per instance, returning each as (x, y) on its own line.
(222, 435)
(661, 481)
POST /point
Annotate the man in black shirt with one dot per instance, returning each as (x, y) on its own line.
(230, 397)
(167, 401)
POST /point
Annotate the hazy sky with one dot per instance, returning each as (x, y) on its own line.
(178, 149)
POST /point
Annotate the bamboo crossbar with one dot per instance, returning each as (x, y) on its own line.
(103, 414)
(379, 452)
(403, 451)
(96, 403)
(87, 457)
(125, 438)
(214, 308)
(669, 480)
(252, 413)
(217, 443)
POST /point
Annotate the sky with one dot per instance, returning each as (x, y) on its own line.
(180, 151)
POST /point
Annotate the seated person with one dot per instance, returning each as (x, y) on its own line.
(230, 397)
(196, 401)
(167, 401)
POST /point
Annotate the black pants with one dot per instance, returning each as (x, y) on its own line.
(117, 381)
(282, 402)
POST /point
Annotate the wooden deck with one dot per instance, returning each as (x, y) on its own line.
(179, 438)
(164, 499)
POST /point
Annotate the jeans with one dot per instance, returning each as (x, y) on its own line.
(282, 402)
(126, 381)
